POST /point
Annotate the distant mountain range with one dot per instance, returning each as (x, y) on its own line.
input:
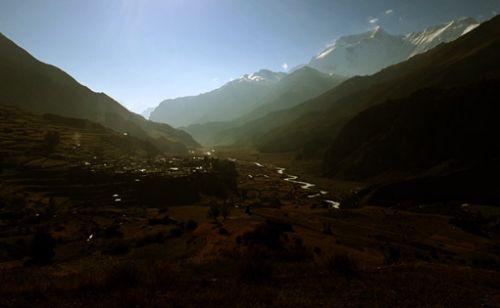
(37, 87)
(443, 106)
(226, 103)
(237, 112)
(313, 125)
(291, 90)
(425, 128)
(368, 53)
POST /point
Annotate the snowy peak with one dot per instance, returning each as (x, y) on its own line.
(369, 52)
(262, 76)
(361, 54)
(351, 41)
(433, 36)
(378, 32)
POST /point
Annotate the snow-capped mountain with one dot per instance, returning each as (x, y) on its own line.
(228, 102)
(367, 53)
(362, 54)
(262, 76)
(433, 36)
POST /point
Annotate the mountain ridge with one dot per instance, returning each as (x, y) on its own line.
(368, 52)
(38, 87)
(291, 90)
(250, 90)
(463, 60)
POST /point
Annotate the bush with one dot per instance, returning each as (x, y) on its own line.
(123, 276)
(51, 139)
(158, 238)
(42, 248)
(225, 210)
(485, 262)
(297, 251)
(176, 232)
(223, 231)
(191, 225)
(256, 270)
(343, 264)
(117, 248)
(475, 224)
(392, 255)
(160, 221)
(111, 232)
(268, 234)
(327, 229)
(214, 212)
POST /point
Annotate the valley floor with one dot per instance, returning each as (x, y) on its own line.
(278, 245)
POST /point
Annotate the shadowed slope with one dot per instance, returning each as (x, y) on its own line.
(312, 126)
(41, 88)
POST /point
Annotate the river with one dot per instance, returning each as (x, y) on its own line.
(306, 186)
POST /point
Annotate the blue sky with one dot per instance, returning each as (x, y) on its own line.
(141, 52)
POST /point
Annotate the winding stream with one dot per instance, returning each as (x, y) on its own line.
(307, 186)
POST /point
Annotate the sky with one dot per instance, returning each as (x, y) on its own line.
(141, 52)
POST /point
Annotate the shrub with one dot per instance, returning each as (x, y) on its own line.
(327, 229)
(343, 264)
(485, 262)
(176, 232)
(392, 255)
(117, 248)
(297, 251)
(123, 276)
(191, 225)
(223, 231)
(475, 224)
(225, 210)
(317, 250)
(51, 139)
(268, 234)
(214, 212)
(160, 221)
(256, 270)
(42, 248)
(112, 232)
(157, 238)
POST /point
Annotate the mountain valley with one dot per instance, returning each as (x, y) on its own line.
(364, 178)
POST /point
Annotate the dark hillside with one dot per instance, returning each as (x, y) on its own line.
(41, 88)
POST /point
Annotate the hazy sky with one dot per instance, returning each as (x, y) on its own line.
(141, 52)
